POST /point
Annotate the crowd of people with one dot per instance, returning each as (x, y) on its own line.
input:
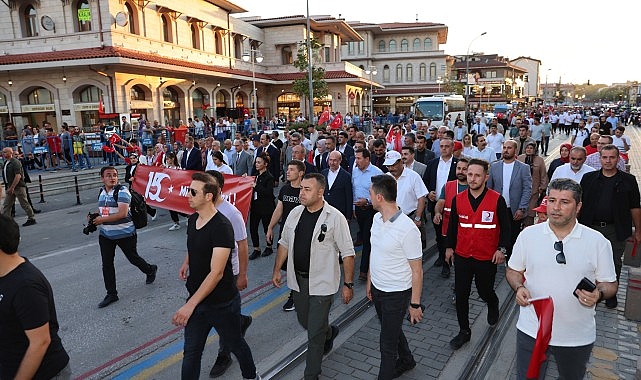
(482, 187)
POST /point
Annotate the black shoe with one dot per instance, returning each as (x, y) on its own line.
(329, 344)
(492, 314)
(266, 252)
(612, 303)
(254, 255)
(109, 299)
(438, 262)
(245, 322)
(222, 363)
(151, 277)
(402, 367)
(36, 211)
(445, 272)
(289, 305)
(459, 340)
(29, 222)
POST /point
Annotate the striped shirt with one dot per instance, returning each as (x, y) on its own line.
(107, 206)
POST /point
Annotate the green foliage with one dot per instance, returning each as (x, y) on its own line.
(319, 85)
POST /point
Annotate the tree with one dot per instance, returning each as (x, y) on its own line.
(319, 85)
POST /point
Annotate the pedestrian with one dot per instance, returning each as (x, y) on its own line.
(395, 279)
(478, 235)
(15, 187)
(214, 300)
(117, 230)
(262, 205)
(30, 347)
(576, 168)
(539, 180)
(338, 189)
(549, 260)
(314, 236)
(443, 207)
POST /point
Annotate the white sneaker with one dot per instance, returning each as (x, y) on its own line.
(175, 227)
(155, 216)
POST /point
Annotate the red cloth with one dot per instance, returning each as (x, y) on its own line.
(590, 149)
(544, 311)
(567, 159)
(451, 189)
(337, 123)
(396, 139)
(324, 117)
(478, 231)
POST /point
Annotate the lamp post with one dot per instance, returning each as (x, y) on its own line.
(439, 80)
(371, 71)
(467, 74)
(254, 56)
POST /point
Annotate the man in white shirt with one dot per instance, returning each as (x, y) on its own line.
(411, 189)
(483, 151)
(495, 141)
(575, 169)
(580, 134)
(478, 128)
(459, 131)
(620, 140)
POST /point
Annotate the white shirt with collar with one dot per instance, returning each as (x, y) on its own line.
(488, 154)
(565, 171)
(331, 177)
(442, 173)
(410, 188)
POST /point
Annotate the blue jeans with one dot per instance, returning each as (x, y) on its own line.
(225, 318)
(391, 308)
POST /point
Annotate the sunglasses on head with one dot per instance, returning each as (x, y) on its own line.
(560, 257)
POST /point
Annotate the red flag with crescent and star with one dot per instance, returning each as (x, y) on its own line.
(324, 117)
(337, 123)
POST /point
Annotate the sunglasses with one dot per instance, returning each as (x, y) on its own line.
(321, 236)
(193, 192)
(560, 257)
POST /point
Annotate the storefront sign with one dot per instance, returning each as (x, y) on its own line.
(84, 14)
(96, 146)
(169, 104)
(38, 108)
(86, 107)
(141, 104)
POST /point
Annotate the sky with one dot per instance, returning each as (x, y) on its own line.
(575, 41)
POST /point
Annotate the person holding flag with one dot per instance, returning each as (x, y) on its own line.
(394, 138)
(553, 269)
(337, 122)
(324, 117)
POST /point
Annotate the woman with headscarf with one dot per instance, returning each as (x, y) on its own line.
(564, 150)
(539, 180)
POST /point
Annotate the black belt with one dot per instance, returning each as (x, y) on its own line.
(602, 224)
(302, 274)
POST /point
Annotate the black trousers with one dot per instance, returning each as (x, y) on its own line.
(365, 219)
(440, 242)
(108, 253)
(483, 273)
(259, 214)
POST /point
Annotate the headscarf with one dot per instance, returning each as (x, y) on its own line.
(566, 159)
(529, 158)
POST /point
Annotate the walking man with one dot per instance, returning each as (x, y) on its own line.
(396, 277)
(478, 235)
(15, 187)
(314, 235)
(117, 230)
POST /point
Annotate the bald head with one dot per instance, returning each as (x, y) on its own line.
(334, 160)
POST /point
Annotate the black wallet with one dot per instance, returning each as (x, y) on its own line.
(584, 284)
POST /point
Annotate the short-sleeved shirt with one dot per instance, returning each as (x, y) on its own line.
(107, 205)
(410, 188)
(10, 169)
(290, 198)
(240, 231)
(27, 303)
(216, 233)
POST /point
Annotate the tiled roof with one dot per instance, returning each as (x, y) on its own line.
(328, 75)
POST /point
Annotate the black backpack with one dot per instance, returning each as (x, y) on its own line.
(137, 207)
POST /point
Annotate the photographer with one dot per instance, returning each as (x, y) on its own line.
(117, 229)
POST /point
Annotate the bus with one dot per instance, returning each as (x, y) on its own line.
(437, 108)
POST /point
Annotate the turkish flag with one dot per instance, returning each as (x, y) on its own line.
(324, 117)
(544, 311)
(101, 107)
(395, 139)
(168, 189)
(114, 138)
(337, 123)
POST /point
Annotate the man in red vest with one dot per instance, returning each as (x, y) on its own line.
(443, 206)
(477, 237)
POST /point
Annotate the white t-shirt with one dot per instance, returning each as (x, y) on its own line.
(587, 254)
(240, 231)
(410, 188)
(618, 142)
(495, 142)
(565, 171)
(389, 261)
(581, 134)
(507, 177)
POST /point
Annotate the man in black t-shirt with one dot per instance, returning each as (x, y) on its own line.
(30, 347)
(214, 300)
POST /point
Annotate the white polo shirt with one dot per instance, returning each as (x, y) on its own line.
(410, 188)
(587, 254)
(565, 171)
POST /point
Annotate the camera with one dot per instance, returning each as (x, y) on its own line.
(91, 228)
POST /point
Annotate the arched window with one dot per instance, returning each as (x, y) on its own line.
(288, 57)
(386, 74)
(40, 96)
(166, 29)
(381, 46)
(195, 37)
(422, 72)
(137, 93)
(82, 16)
(90, 94)
(221, 100)
(3, 99)
(133, 19)
(427, 44)
(416, 46)
(30, 20)
(408, 73)
(392, 46)
(218, 42)
(432, 71)
(404, 45)
(399, 73)
(170, 95)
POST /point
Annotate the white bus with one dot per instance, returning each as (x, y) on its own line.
(439, 107)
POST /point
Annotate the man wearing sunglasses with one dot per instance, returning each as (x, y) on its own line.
(549, 260)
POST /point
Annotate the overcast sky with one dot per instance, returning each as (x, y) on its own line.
(575, 40)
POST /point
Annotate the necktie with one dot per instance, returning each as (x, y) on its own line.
(237, 159)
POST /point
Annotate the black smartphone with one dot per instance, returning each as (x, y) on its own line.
(408, 317)
(584, 284)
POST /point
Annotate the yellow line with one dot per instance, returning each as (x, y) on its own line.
(164, 364)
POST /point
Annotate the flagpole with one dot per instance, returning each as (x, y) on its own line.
(309, 68)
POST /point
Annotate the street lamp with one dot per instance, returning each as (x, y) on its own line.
(467, 74)
(439, 80)
(371, 71)
(254, 56)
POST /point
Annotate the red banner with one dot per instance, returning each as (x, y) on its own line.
(168, 189)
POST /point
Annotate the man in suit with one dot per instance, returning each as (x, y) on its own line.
(299, 153)
(241, 161)
(338, 192)
(346, 150)
(273, 153)
(516, 189)
(192, 158)
(440, 170)
(407, 154)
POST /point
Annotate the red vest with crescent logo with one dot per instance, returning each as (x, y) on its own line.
(478, 231)
(451, 189)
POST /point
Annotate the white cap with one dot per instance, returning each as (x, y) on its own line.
(391, 157)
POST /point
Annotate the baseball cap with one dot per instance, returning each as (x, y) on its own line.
(543, 207)
(458, 145)
(391, 157)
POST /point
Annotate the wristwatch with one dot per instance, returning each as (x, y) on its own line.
(350, 285)
(415, 305)
(502, 250)
(417, 218)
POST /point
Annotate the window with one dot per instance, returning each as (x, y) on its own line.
(416, 46)
(408, 73)
(381, 46)
(399, 73)
(392, 46)
(238, 46)
(166, 29)
(427, 44)
(30, 19)
(83, 16)
(133, 19)
(404, 45)
(288, 57)
(432, 71)
(90, 94)
(221, 100)
(327, 54)
(137, 93)
(169, 95)
(195, 36)
(218, 43)
(350, 48)
(490, 74)
(40, 96)
(422, 72)
(361, 47)
(386, 74)
(3, 99)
